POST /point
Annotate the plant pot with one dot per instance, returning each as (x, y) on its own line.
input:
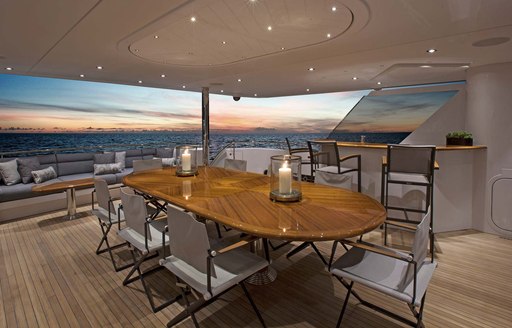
(459, 141)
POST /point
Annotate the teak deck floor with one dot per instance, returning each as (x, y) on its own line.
(51, 277)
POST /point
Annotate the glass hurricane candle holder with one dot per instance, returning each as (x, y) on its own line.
(285, 177)
(186, 161)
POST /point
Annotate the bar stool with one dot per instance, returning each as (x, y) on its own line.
(408, 165)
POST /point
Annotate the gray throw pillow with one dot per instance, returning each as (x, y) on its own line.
(167, 161)
(26, 166)
(100, 169)
(43, 175)
(106, 158)
(9, 172)
(120, 157)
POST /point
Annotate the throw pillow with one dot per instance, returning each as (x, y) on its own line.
(106, 158)
(9, 172)
(120, 157)
(167, 161)
(43, 175)
(100, 169)
(26, 166)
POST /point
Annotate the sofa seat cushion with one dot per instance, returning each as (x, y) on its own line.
(120, 176)
(76, 176)
(22, 191)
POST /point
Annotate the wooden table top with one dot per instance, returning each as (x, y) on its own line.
(64, 185)
(241, 200)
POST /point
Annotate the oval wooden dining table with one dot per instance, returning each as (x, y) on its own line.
(241, 200)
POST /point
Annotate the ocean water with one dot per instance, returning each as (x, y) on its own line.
(11, 142)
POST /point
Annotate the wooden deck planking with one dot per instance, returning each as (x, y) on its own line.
(50, 276)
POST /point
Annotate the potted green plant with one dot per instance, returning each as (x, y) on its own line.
(459, 138)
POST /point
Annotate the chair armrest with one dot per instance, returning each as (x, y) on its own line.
(344, 158)
(379, 250)
(402, 225)
(241, 242)
(299, 150)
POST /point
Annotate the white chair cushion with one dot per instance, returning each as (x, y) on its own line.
(408, 177)
(230, 269)
(383, 273)
(328, 175)
(138, 241)
(102, 214)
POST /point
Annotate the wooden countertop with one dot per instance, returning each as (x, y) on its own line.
(384, 146)
(241, 200)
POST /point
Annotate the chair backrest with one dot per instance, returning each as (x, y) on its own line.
(411, 159)
(147, 164)
(421, 238)
(329, 152)
(188, 239)
(135, 212)
(235, 164)
(103, 195)
(289, 146)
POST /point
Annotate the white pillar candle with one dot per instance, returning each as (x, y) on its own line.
(285, 180)
(185, 161)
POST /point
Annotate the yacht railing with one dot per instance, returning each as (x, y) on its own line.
(110, 147)
(246, 144)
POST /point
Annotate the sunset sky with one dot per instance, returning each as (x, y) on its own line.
(44, 104)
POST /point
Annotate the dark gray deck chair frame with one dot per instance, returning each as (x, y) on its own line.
(107, 217)
(409, 160)
(189, 244)
(415, 275)
(138, 222)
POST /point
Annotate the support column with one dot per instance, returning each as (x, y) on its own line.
(206, 124)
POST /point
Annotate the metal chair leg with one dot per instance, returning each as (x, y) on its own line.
(253, 304)
(344, 304)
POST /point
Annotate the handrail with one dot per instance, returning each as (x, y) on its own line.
(58, 150)
(232, 144)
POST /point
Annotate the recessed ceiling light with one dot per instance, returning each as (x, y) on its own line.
(379, 83)
(193, 19)
(156, 36)
(354, 78)
(223, 42)
(425, 66)
(465, 66)
(311, 69)
(99, 67)
(307, 90)
(333, 8)
(255, 95)
(269, 28)
(136, 50)
(140, 82)
(82, 75)
(221, 91)
(239, 80)
(282, 48)
(183, 86)
(163, 75)
(431, 51)
(8, 68)
(328, 35)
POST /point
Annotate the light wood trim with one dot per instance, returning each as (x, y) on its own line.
(241, 200)
(244, 241)
(62, 186)
(385, 146)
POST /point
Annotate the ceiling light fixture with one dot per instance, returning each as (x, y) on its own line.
(99, 67)
(328, 35)
(354, 78)
(221, 91)
(333, 8)
(311, 69)
(379, 83)
(223, 42)
(140, 82)
(269, 28)
(425, 66)
(255, 95)
(193, 19)
(8, 68)
(82, 75)
(163, 75)
(239, 80)
(465, 66)
(183, 86)
(283, 48)
(156, 36)
(431, 51)
(307, 90)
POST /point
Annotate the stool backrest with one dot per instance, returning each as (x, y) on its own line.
(411, 159)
